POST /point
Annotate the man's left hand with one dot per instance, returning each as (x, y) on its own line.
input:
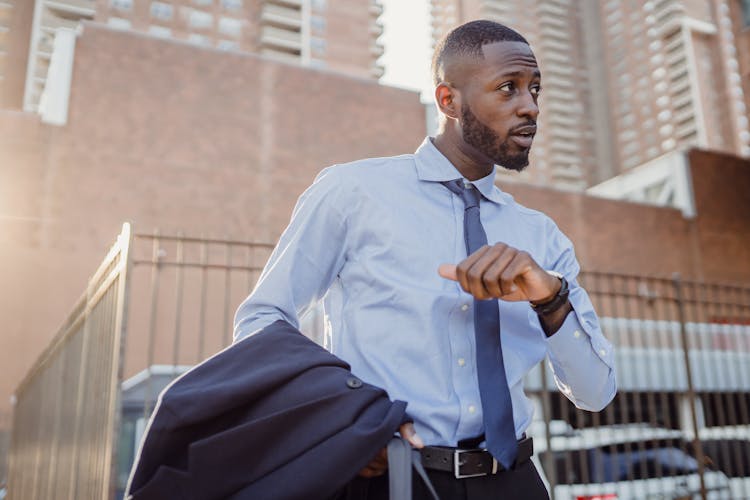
(502, 272)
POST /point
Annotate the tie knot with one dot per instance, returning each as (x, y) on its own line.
(467, 192)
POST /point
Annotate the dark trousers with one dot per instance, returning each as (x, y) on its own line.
(521, 483)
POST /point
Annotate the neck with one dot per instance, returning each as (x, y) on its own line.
(470, 163)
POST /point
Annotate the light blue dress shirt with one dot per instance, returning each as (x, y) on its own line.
(368, 237)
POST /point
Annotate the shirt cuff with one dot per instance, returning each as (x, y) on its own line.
(568, 341)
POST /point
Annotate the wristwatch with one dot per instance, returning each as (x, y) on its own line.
(556, 302)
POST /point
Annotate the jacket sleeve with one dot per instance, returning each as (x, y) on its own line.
(304, 263)
(581, 358)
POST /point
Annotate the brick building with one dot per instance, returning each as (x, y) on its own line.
(339, 35)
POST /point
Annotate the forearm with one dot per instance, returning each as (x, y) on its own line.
(553, 321)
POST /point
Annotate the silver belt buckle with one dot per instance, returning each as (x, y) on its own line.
(457, 464)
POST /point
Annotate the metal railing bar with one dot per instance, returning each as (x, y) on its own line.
(199, 265)
(226, 334)
(202, 240)
(178, 306)
(155, 273)
(202, 314)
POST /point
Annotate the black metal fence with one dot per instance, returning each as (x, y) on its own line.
(678, 428)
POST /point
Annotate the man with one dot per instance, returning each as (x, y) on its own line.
(373, 238)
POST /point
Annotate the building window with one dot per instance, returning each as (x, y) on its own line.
(203, 3)
(160, 31)
(318, 23)
(230, 26)
(228, 45)
(121, 4)
(119, 23)
(320, 5)
(318, 45)
(199, 39)
(200, 20)
(161, 10)
(745, 6)
(231, 4)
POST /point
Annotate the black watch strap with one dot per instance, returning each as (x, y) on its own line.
(556, 302)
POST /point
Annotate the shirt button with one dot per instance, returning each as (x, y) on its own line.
(472, 408)
(468, 184)
(602, 352)
(465, 307)
(461, 361)
(576, 333)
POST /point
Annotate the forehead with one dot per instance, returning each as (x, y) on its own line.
(507, 57)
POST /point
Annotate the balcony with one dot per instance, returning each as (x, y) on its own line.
(551, 8)
(51, 20)
(686, 131)
(287, 17)
(377, 50)
(276, 37)
(281, 55)
(72, 9)
(286, 3)
(376, 9)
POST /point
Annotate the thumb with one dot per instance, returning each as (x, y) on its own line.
(407, 432)
(448, 271)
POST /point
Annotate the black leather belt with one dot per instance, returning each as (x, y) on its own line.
(471, 462)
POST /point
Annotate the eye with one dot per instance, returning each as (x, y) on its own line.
(535, 90)
(506, 87)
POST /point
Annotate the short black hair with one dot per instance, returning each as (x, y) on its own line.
(468, 40)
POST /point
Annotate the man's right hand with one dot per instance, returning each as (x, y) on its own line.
(379, 464)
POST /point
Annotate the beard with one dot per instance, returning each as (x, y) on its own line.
(486, 141)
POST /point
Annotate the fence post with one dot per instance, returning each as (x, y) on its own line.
(677, 282)
(125, 242)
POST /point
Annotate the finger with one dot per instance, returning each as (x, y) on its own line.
(463, 268)
(491, 277)
(377, 466)
(448, 271)
(512, 277)
(477, 274)
(408, 432)
(369, 472)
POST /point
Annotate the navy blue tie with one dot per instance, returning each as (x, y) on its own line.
(497, 408)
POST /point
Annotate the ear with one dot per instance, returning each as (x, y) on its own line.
(448, 100)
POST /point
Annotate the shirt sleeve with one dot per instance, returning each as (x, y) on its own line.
(580, 357)
(304, 263)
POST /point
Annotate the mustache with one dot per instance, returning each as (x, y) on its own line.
(523, 127)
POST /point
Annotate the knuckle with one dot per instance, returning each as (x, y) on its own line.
(488, 280)
(474, 275)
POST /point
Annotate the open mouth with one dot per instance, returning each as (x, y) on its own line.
(524, 136)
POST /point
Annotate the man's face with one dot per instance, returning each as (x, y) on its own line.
(499, 105)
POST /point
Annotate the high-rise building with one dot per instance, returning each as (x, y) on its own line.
(15, 28)
(339, 35)
(626, 83)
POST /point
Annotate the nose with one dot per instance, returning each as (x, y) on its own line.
(528, 107)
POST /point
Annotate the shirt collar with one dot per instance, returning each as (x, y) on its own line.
(432, 166)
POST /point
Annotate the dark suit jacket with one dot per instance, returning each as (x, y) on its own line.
(274, 416)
